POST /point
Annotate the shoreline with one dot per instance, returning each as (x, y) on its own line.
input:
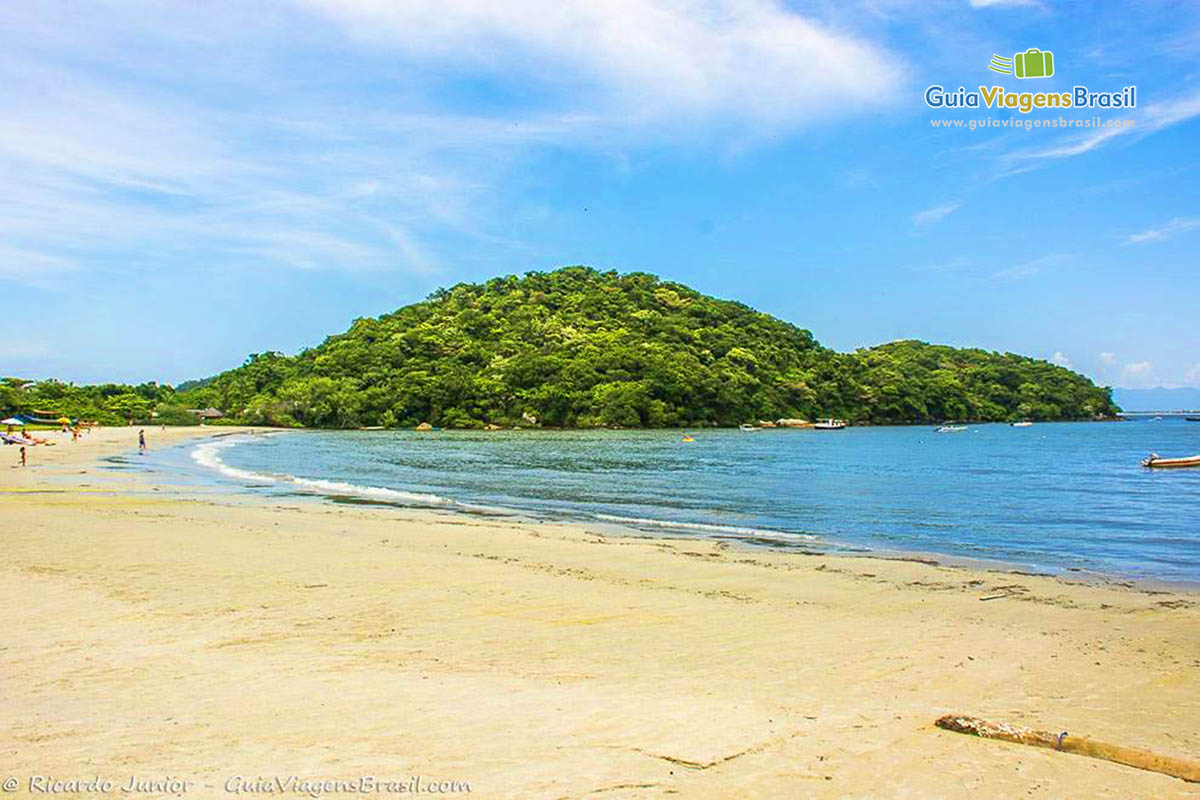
(808, 544)
(164, 629)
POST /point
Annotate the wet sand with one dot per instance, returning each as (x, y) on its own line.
(156, 630)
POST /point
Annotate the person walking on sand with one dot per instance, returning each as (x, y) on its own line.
(142, 440)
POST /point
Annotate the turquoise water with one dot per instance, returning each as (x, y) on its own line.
(1052, 496)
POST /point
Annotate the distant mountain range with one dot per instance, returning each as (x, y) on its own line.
(1157, 399)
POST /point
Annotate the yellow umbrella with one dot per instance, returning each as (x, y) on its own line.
(64, 421)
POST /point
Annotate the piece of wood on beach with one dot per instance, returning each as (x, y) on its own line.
(1079, 745)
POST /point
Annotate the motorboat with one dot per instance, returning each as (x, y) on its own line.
(748, 428)
(1022, 424)
(951, 428)
(829, 424)
(1158, 462)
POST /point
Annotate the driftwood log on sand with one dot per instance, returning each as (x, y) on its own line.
(1130, 756)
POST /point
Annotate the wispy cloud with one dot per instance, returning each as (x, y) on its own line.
(1061, 359)
(1165, 231)
(1151, 119)
(130, 135)
(953, 265)
(935, 214)
(1001, 3)
(650, 61)
(30, 268)
(1028, 269)
(1108, 358)
(1138, 374)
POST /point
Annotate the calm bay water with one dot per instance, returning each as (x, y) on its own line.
(1054, 496)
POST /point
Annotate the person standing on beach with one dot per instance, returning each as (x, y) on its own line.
(22, 455)
(142, 440)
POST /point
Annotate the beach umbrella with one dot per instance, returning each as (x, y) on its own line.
(64, 421)
(12, 421)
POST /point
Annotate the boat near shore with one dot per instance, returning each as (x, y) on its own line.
(829, 424)
(1022, 424)
(950, 428)
(1155, 461)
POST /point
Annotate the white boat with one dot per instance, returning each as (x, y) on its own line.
(748, 428)
(951, 428)
(829, 424)
(1022, 424)
(1158, 462)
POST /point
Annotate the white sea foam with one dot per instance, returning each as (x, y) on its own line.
(208, 455)
(727, 530)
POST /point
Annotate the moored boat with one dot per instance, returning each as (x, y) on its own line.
(829, 424)
(748, 428)
(1022, 424)
(951, 429)
(1158, 462)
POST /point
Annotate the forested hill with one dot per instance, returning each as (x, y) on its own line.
(578, 347)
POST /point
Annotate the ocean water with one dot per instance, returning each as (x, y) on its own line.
(1068, 496)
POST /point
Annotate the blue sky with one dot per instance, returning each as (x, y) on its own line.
(183, 184)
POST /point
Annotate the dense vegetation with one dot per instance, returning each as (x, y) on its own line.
(578, 347)
(108, 404)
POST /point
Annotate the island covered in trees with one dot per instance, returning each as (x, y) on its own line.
(578, 347)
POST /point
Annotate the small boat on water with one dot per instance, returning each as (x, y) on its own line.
(1022, 424)
(687, 437)
(1158, 462)
(829, 424)
(748, 428)
(1192, 419)
(951, 428)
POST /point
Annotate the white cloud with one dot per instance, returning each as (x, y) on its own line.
(1138, 374)
(30, 268)
(1193, 376)
(953, 265)
(1108, 358)
(166, 175)
(1061, 359)
(660, 61)
(1148, 120)
(1164, 231)
(1028, 269)
(147, 131)
(935, 214)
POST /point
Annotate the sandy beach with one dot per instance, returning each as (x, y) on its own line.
(161, 631)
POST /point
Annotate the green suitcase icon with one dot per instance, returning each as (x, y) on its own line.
(1034, 63)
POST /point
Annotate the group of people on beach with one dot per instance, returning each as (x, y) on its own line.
(26, 439)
